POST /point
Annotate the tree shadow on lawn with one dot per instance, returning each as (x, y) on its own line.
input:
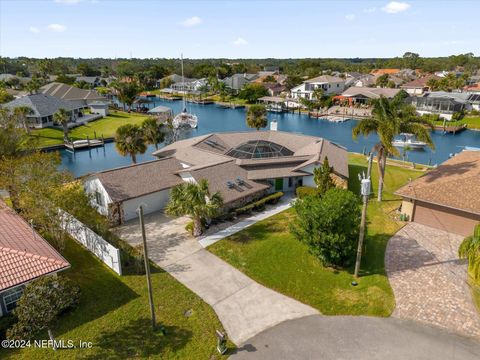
(138, 340)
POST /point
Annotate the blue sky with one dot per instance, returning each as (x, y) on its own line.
(234, 29)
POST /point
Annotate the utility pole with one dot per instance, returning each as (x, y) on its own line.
(147, 265)
(365, 191)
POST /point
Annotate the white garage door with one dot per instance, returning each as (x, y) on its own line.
(153, 202)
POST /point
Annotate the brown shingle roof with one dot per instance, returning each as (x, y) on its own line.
(454, 184)
(141, 179)
(24, 254)
(419, 83)
(68, 92)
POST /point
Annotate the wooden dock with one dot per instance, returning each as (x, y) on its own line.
(451, 129)
(84, 144)
(224, 105)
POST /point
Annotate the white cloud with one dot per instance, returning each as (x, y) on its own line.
(34, 29)
(394, 7)
(350, 17)
(68, 2)
(193, 21)
(370, 10)
(240, 42)
(56, 27)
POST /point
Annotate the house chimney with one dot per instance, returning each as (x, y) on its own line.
(273, 125)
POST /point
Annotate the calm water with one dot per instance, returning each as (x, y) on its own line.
(213, 119)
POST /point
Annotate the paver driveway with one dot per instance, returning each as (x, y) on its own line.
(429, 281)
(244, 307)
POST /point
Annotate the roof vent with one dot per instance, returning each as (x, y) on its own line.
(230, 185)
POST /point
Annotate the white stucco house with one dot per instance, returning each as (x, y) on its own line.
(329, 84)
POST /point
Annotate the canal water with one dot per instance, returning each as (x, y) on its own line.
(211, 118)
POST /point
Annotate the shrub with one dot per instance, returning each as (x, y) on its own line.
(329, 225)
(470, 249)
(6, 322)
(303, 191)
(456, 116)
(189, 226)
(475, 112)
(259, 205)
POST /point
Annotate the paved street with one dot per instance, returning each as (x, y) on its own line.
(429, 281)
(358, 338)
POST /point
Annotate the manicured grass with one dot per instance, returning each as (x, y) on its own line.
(268, 253)
(114, 315)
(106, 127)
(473, 122)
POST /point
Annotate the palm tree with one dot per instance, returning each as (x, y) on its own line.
(129, 140)
(62, 117)
(127, 92)
(152, 132)
(257, 117)
(470, 250)
(389, 119)
(20, 113)
(195, 201)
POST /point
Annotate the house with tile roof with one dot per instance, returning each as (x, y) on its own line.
(43, 107)
(329, 84)
(24, 257)
(242, 166)
(446, 197)
(418, 86)
(363, 95)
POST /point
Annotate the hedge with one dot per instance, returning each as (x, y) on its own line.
(259, 205)
(303, 191)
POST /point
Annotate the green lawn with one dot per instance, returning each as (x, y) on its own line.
(106, 127)
(114, 315)
(473, 122)
(268, 253)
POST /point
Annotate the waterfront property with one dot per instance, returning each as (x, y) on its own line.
(79, 97)
(445, 104)
(446, 198)
(242, 166)
(362, 95)
(43, 107)
(24, 256)
(329, 84)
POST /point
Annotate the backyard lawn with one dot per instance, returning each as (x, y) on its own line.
(473, 122)
(114, 315)
(106, 127)
(268, 253)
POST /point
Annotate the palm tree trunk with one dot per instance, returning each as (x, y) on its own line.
(156, 146)
(381, 162)
(134, 157)
(197, 226)
(65, 131)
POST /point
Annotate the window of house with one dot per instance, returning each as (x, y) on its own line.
(290, 182)
(99, 198)
(11, 297)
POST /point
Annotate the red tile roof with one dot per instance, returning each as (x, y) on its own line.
(24, 254)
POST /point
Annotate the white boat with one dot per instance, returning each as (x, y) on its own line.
(184, 119)
(408, 140)
(278, 108)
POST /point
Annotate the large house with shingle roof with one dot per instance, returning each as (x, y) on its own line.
(43, 107)
(24, 256)
(329, 84)
(80, 97)
(446, 198)
(242, 166)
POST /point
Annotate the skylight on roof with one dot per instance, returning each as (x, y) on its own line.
(257, 149)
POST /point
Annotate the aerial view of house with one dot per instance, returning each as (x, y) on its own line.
(242, 180)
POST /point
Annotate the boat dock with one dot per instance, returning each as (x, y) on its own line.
(224, 105)
(200, 101)
(451, 129)
(169, 98)
(84, 144)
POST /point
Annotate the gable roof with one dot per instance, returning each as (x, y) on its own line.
(325, 79)
(24, 254)
(385, 71)
(453, 184)
(132, 181)
(41, 104)
(371, 93)
(419, 83)
(68, 92)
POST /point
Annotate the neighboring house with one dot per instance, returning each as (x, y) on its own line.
(80, 97)
(473, 88)
(93, 81)
(419, 86)
(43, 107)
(174, 79)
(274, 89)
(99, 107)
(367, 80)
(380, 72)
(242, 166)
(329, 84)
(192, 85)
(21, 80)
(445, 104)
(363, 95)
(474, 100)
(446, 198)
(24, 257)
(237, 81)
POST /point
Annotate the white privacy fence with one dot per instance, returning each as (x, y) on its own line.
(109, 254)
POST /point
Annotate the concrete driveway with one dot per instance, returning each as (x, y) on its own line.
(429, 281)
(244, 307)
(360, 338)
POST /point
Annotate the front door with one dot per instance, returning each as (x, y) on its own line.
(279, 184)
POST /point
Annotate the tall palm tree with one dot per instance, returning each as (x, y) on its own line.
(389, 119)
(257, 117)
(129, 140)
(470, 250)
(62, 117)
(127, 92)
(195, 201)
(152, 132)
(20, 113)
